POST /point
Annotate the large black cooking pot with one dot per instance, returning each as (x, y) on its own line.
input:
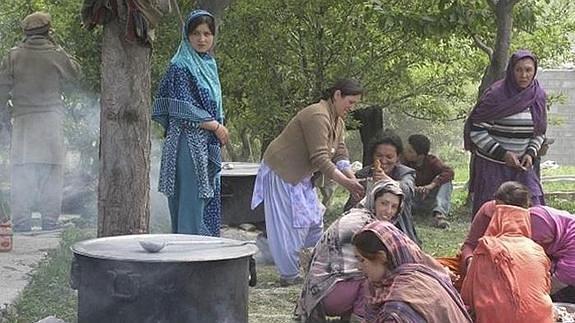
(238, 180)
(118, 281)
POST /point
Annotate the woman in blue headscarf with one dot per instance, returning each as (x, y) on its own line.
(188, 105)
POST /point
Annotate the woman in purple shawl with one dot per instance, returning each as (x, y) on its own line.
(505, 131)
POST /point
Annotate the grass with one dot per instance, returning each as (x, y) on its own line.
(49, 293)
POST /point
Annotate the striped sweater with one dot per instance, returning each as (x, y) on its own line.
(513, 133)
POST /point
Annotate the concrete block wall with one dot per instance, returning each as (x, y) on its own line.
(561, 117)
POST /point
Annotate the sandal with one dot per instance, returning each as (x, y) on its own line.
(439, 221)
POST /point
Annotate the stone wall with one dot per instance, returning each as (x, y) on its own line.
(562, 115)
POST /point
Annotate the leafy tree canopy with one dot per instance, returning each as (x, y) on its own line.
(422, 58)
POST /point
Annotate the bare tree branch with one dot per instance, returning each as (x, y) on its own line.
(479, 42)
(493, 4)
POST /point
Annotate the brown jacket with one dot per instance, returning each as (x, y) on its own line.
(32, 76)
(34, 73)
(313, 140)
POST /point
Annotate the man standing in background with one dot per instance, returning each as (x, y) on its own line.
(32, 76)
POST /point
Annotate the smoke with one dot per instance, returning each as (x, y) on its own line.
(82, 134)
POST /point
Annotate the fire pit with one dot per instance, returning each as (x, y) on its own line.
(238, 181)
(118, 281)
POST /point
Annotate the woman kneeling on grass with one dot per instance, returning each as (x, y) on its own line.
(334, 285)
(552, 229)
(508, 279)
(406, 285)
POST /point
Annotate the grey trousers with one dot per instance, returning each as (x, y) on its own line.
(36, 187)
(438, 200)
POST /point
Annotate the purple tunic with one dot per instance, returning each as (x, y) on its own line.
(491, 175)
(554, 230)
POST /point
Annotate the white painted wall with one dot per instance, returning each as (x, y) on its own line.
(555, 82)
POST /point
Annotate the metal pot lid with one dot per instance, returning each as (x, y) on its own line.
(240, 169)
(128, 248)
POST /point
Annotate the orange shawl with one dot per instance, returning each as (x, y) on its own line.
(508, 279)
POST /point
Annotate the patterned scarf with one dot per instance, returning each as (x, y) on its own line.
(202, 66)
(333, 258)
(188, 95)
(414, 278)
(388, 186)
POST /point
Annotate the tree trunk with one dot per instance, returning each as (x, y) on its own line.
(496, 70)
(503, 11)
(371, 126)
(123, 187)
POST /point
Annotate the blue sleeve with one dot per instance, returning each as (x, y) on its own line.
(179, 96)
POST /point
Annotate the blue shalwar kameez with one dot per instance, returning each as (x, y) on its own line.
(189, 95)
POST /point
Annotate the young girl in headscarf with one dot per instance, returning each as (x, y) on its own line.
(406, 285)
(334, 286)
(188, 105)
(508, 278)
(505, 131)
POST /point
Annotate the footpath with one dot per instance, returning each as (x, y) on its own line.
(18, 264)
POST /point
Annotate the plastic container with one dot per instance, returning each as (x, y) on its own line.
(6, 236)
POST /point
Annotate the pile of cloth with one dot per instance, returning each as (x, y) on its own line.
(142, 16)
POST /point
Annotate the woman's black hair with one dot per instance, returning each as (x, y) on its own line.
(202, 20)
(345, 86)
(388, 138)
(513, 193)
(368, 244)
(380, 193)
(420, 144)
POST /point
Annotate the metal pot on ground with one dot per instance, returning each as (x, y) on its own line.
(118, 281)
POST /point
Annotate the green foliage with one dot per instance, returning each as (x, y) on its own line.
(417, 59)
(562, 170)
(277, 56)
